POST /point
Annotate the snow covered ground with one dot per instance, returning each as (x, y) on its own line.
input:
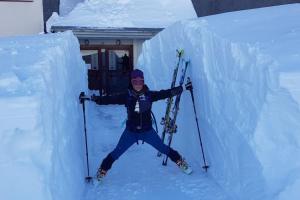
(246, 75)
(139, 174)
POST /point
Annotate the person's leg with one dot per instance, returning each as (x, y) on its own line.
(127, 139)
(152, 138)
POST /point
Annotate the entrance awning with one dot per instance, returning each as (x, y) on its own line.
(109, 33)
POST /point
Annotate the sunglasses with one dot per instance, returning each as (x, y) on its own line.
(137, 81)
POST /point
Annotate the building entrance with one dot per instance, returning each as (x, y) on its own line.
(108, 67)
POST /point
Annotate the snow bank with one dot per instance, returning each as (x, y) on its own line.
(41, 139)
(126, 13)
(249, 119)
(66, 6)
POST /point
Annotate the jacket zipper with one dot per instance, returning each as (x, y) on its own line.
(141, 121)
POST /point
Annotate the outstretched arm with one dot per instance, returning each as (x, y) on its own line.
(114, 99)
(162, 94)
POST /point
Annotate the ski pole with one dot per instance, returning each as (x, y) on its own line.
(82, 98)
(189, 87)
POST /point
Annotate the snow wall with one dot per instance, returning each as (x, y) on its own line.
(41, 133)
(249, 123)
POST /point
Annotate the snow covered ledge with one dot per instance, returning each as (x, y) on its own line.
(249, 123)
(41, 138)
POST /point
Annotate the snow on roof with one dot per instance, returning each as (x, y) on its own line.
(126, 13)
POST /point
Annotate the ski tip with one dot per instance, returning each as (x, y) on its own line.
(188, 171)
(179, 52)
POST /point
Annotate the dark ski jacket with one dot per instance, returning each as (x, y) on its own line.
(138, 115)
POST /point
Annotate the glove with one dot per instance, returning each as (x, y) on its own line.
(93, 97)
(83, 97)
(176, 90)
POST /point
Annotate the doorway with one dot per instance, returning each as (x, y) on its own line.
(109, 67)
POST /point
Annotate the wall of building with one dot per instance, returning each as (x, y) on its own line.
(137, 50)
(21, 18)
(50, 6)
(210, 7)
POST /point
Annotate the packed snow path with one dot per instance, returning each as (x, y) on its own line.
(138, 174)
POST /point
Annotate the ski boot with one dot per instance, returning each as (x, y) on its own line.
(101, 173)
(182, 164)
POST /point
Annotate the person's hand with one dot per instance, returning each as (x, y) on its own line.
(93, 97)
(176, 90)
(83, 97)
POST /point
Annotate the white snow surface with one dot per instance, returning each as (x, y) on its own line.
(41, 147)
(66, 6)
(125, 13)
(246, 75)
(245, 70)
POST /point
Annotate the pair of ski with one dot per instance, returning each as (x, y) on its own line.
(169, 120)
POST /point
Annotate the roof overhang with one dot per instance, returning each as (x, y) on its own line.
(109, 33)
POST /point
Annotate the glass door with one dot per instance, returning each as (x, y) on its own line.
(118, 70)
(108, 67)
(91, 59)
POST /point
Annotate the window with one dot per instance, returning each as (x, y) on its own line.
(118, 60)
(91, 58)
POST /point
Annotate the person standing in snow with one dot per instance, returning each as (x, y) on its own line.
(138, 101)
